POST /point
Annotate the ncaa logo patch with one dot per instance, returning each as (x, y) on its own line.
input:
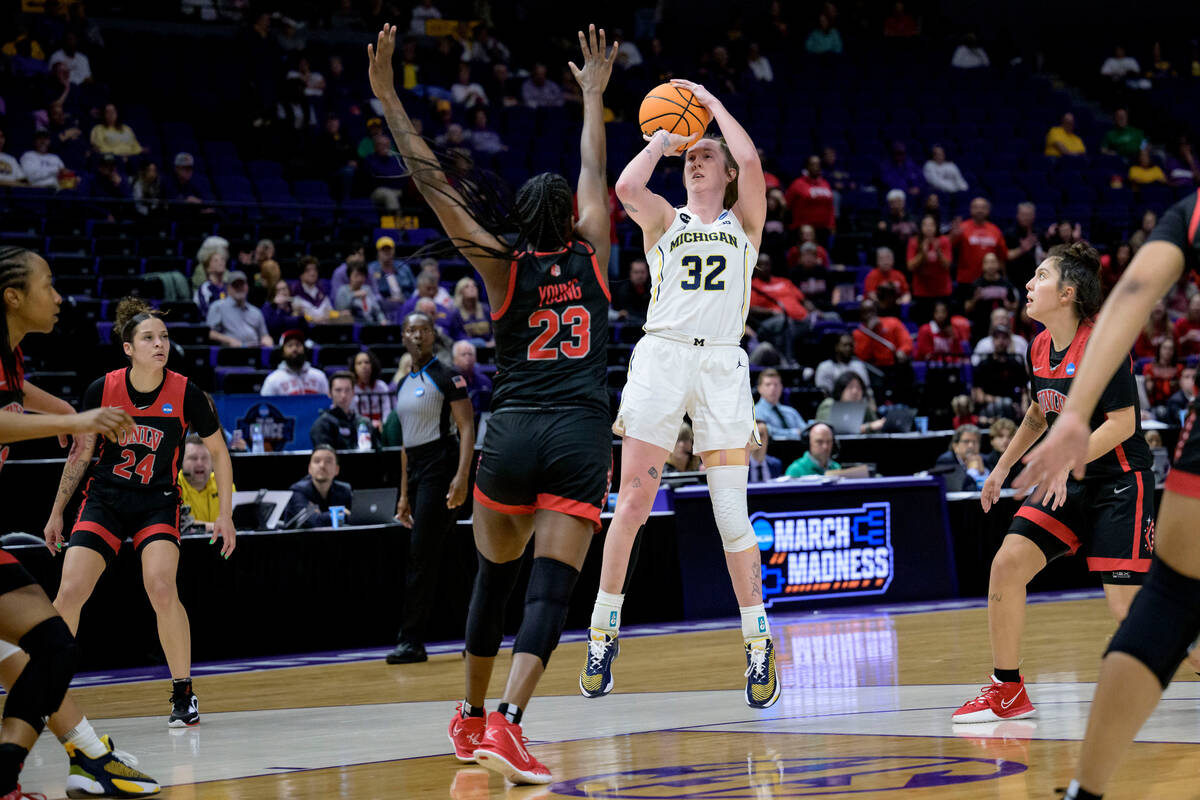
(555, 271)
(168, 408)
(1071, 369)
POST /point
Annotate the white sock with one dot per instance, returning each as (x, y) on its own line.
(606, 614)
(83, 737)
(754, 622)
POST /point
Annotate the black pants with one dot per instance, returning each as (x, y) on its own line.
(431, 467)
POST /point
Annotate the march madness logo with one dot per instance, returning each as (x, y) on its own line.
(826, 553)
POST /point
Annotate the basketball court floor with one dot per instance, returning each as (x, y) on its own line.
(865, 712)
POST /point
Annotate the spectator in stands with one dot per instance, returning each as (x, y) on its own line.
(990, 291)
(11, 173)
(1144, 171)
(963, 411)
(487, 49)
(1012, 344)
(778, 310)
(183, 184)
(198, 483)
(900, 172)
(279, 313)
(115, 137)
(843, 361)
(312, 496)
(1161, 376)
(1024, 248)
(763, 466)
(384, 176)
(502, 86)
(465, 92)
(758, 64)
(359, 297)
(372, 397)
(818, 459)
(424, 11)
(1061, 140)
(970, 54)
(77, 62)
(942, 174)
(393, 281)
(1063, 232)
(897, 225)
(473, 315)
(262, 290)
(1157, 328)
(147, 190)
(808, 234)
(479, 385)
(366, 145)
(295, 375)
(1183, 168)
(42, 168)
(233, 321)
(1123, 139)
(213, 288)
(339, 425)
(210, 245)
(631, 298)
(539, 92)
(1000, 435)
(940, 338)
(885, 274)
(312, 81)
(1121, 68)
(333, 156)
(824, 39)
(810, 199)
(310, 297)
(783, 421)
(1000, 380)
(55, 87)
(974, 239)
(962, 465)
(928, 259)
(1113, 265)
(66, 137)
(900, 24)
(1187, 329)
(1182, 401)
(1180, 294)
(682, 458)
(481, 138)
(431, 269)
(851, 388)
(1138, 237)
(110, 184)
(811, 278)
(881, 341)
(775, 227)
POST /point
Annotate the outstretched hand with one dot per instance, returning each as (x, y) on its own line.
(379, 64)
(598, 61)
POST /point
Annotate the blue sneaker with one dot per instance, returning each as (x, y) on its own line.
(110, 775)
(595, 679)
(762, 682)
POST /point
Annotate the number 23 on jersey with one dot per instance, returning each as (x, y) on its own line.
(575, 345)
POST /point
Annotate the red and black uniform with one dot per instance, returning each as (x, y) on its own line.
(132, 489)
(1110, 513)
(549, 442)
(1180, 226)
(12, 574)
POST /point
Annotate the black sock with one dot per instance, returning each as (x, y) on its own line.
(181, 687)
(12, 757)
(1076, 792)
(1007, 675)
(469, 710)
(511, 713)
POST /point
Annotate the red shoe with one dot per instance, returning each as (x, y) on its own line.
(997, 702)
(17, 794)
(466, 733)
(503, 750)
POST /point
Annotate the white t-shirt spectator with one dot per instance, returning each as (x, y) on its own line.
(1117, 68)
(10, 169)
(828, 371)
(1017, 347)
(468, 94)
(761, 68)
(945, 177)
(628, 55)
(419, 15)
(81, 68)
(283, 381)
(969, 58)
(41, 169)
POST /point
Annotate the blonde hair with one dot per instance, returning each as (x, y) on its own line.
(458, 297)
(962, 405)
(211, 246)
(1002, 427)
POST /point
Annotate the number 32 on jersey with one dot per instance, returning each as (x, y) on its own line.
(709, 270)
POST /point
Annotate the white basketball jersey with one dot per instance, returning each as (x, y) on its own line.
(701, 278)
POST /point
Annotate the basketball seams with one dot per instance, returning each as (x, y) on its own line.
(687, 114)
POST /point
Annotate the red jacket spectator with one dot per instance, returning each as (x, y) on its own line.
(793, 256)
(975, 240)
(811, 199)
(930, 271)
(1187, 331)
(936, 341)
(1162, 381)
(1157, 328)
(774, 292)
(869, 348)
(876, 277)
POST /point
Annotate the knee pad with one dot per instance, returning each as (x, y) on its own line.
(550, 586)
(42, 685)
(727, 491)
(1162, 622)
(485, 617)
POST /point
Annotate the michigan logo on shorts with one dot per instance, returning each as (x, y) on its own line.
(825, 553)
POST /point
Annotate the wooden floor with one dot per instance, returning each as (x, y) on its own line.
(865, 711)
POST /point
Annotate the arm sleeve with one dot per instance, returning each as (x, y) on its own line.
(94, 395)
(198, 413)
(1121, 391)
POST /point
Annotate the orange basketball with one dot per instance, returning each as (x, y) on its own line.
(675, 110)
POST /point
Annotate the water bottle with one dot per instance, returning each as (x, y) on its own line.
(364, 435)
(256, 438)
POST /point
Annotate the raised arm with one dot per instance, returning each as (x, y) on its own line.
(445, 201)
(751, 206)
(651, 212)
(592, 191)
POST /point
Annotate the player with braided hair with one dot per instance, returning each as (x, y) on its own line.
(547, 454)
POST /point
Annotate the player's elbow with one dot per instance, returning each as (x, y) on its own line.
(627, 189)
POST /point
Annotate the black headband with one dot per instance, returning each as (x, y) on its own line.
(138, 319)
